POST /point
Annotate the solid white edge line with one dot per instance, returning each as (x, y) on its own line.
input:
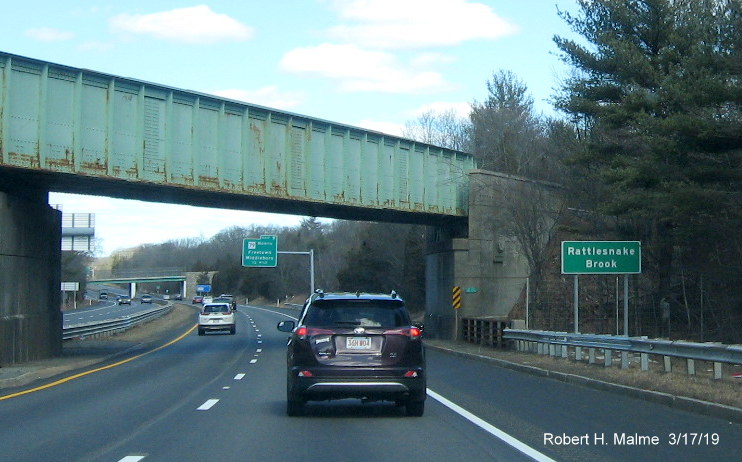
(489, 428)
(207, 405)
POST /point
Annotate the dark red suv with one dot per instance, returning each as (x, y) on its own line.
(355, 345)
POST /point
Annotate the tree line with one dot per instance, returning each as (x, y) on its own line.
(349, 256)
(647, 146)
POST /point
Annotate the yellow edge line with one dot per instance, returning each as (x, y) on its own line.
(82, 374)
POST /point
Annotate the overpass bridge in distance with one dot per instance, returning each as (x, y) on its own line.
(79, 131)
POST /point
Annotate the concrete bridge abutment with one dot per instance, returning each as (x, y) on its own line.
(486, 260)
(30, 266)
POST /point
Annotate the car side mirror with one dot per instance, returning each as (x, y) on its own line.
(286, 326)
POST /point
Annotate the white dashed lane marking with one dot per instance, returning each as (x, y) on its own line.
(132, 459)
(239, 376)
(253, 361)
(207, 405)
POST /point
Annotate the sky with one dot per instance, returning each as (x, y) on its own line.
(374, 64)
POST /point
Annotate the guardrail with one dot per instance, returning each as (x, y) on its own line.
(570, 345)
(111, 326)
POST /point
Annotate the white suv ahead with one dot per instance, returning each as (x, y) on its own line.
(216, 316)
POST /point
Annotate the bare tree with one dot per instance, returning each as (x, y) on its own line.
(445, 129)
(533, 211)
(506, 133)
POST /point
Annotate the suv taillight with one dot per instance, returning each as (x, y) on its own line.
(412, 332)
(304, 331)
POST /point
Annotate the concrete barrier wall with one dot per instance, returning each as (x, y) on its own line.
(30, 296)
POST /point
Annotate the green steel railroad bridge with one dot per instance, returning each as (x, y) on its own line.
(79, 131)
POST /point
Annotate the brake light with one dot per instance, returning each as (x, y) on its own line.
(410, 374)
(305, 374)
(304, 331)
(412, 332)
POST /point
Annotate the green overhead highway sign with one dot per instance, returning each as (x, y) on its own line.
(260, 253)
(601, 257)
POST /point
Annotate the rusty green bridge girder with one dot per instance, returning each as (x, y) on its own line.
(79, 131)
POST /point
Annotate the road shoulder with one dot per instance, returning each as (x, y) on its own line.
(720, 404)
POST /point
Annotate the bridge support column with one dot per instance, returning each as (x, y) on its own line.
(30, 262)
(485, 260)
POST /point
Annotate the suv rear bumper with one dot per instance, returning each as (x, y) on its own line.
(215, 326)
(380, 384)
(358, 387)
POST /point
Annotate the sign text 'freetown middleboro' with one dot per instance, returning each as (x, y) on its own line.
(601, 257)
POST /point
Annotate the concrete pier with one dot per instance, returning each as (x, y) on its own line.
(30, 257)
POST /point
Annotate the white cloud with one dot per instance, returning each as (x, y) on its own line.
(48, 34)
(394, 24)
(389, 128)
(428, 59)
(269, 96)
(361, 70)
(197, 24)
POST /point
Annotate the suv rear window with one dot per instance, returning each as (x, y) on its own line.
(352, 313)
(216, 309)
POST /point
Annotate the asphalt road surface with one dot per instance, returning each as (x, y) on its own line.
(103, 310)
(222, 397)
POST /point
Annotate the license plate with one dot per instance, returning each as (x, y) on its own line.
(358, 343)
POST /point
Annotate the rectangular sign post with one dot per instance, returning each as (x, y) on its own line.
(602, 257)
(260, 253)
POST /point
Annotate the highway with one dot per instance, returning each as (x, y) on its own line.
(222, 397)
(102, 310)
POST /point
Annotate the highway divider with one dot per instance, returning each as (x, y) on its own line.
(111, 326)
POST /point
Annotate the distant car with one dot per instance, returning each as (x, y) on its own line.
(103, 296)
(197, 299)
(226, 298)
(216, 317)
(124, 300)
(355, 345)
(177, 297)
(146, 299)
(207, 299)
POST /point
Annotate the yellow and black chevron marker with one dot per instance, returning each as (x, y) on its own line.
(456, 299)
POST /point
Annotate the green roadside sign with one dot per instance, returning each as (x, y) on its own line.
(601, 257)
(260, 253)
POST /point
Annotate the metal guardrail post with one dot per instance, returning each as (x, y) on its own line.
(556, 344)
